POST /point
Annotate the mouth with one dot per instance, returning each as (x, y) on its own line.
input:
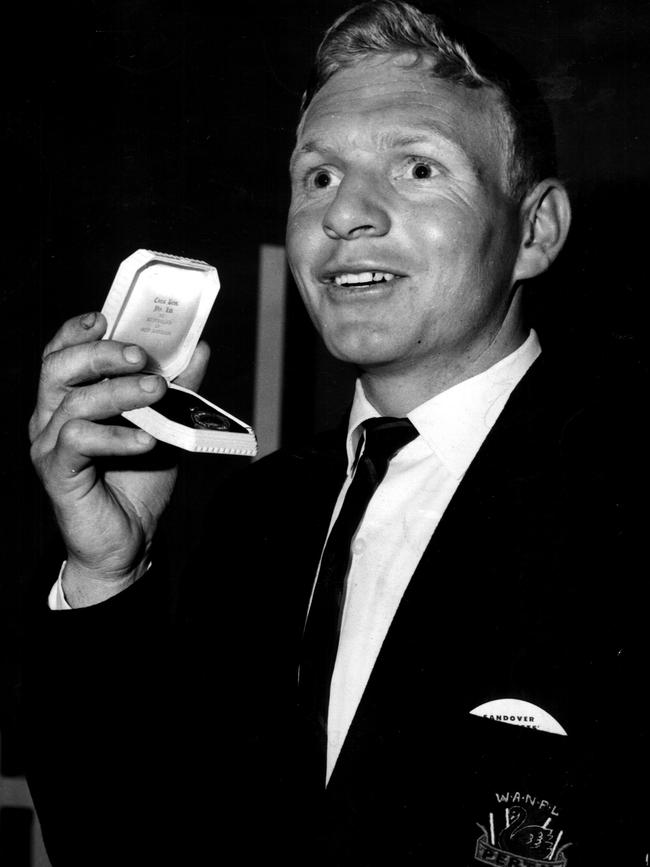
(359, 280)
(366, 278)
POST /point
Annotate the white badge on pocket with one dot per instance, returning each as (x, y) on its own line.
(515, 711)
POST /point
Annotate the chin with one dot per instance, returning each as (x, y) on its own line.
(362, 351)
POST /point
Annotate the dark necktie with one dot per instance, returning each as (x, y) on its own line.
(384, 437)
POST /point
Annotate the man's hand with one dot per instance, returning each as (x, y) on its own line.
(107, 492)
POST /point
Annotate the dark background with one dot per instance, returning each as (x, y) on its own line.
(168, 125)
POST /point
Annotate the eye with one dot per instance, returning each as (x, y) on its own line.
(322, 178)
(419, 169)
(422, 171)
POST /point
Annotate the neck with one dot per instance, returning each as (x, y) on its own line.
(396, 392)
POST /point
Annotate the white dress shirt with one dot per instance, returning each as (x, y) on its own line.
(401, 518)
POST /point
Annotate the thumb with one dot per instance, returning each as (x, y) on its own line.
(192, 376)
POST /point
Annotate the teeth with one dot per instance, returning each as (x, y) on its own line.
(364, 277)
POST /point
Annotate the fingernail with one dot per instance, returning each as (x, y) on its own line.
(132, 354)
(88, 320)
(149, 383)
(143, 438)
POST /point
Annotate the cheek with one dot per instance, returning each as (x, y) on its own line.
(440, 232)
(471, 251)
(496, 228)
(304, 236)
(292, 240)
(450, 250)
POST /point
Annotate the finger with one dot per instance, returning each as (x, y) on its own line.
(80, 329)
(192, 376)
(81, 442)
(103, 400)
(89, 362)
(83, 363)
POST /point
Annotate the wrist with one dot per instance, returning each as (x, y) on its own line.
(83, 587)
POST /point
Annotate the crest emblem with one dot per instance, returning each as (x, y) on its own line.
(519, 840)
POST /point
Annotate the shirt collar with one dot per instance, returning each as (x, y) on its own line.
(455, 422)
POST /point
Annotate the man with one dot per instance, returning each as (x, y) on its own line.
(452, 693)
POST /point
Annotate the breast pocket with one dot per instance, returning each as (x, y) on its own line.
(539, 797)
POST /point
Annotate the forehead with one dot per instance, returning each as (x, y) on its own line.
(384, 98)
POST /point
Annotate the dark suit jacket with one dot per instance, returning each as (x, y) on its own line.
(169, 735)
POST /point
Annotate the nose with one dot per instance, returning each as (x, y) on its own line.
(357, 210)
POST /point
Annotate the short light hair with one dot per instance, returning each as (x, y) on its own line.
(458, 55)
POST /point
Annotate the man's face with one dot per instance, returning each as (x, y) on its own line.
(401, 235)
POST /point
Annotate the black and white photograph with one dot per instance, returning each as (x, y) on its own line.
(324, 439)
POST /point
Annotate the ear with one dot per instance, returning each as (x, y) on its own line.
(545, 216)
